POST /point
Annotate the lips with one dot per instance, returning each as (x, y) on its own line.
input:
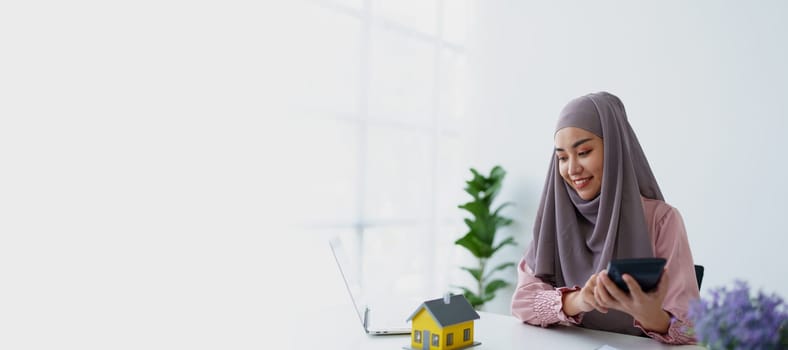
(582, 182)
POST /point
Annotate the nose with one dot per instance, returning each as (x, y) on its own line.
(574, 166)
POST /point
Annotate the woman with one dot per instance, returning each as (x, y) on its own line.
(601, 202)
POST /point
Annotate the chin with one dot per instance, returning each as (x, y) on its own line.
(587, 196)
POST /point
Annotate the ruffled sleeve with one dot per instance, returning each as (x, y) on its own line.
(538, 303)
(677, 332)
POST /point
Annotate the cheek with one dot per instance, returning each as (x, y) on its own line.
(562, 169)
(598, 166)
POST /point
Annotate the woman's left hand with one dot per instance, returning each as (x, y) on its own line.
(644, 307)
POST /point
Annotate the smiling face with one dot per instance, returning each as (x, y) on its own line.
(580, 156)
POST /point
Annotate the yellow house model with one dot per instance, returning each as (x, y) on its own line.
(443, 324)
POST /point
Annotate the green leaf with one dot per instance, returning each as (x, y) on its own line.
(473, 190)
(476, 186)
(483, 232)
(474, 299)
(502, 266)
(476, 273)
(497, 173)
(475, 173)
(504, 205)
(497, 268)
(509, 241)
(496, 179)
(482, 228)
(502, 221)
(478, 209)
(491, 192)
(470, 223)
(495, 285)
(478, 248)
(488, 297)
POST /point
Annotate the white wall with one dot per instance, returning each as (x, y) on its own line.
(143, 179)
(705, 85)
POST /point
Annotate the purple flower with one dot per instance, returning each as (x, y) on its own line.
(733, 319)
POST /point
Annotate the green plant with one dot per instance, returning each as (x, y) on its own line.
(480, 238)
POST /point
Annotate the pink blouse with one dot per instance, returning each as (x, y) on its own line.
(538, 303)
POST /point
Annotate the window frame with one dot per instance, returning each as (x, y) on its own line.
(435, 127)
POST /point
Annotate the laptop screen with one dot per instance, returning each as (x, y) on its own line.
(351, 281)
(380, 301)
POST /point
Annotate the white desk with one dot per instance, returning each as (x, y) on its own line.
(493, 330)
(272, 290)
(326, 320)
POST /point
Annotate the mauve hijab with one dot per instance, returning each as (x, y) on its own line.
(575, 238)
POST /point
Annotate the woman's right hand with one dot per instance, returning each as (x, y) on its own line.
(582, 300)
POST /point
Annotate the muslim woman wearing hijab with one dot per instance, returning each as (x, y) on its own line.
(601, 202)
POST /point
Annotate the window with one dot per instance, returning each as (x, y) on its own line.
(449, 339)
(417, 336)
(383, 109)
(466, 334)
(436, 340)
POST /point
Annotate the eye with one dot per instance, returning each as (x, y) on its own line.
(561, 158)
(584, 153)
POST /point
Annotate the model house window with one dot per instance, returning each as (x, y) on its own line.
(466, 334)
(436, 340)
(450, 339)
(417, 336)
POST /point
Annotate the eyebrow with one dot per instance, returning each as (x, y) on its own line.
(574, 145)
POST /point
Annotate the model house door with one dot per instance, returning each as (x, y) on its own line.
(425, 340)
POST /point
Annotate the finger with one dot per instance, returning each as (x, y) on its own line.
(591, 283)
(634, 287)
(605, 280)
(603, 299)
(598, 305)
(600, 299)
(589, 299)
(602, 309)
(612, 288)
(595, 302)
(617, 297)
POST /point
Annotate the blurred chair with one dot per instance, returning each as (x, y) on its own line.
(699, 274)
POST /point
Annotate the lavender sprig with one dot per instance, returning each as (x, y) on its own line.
(732, 319)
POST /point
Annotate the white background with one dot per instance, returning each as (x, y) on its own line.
(155, 157)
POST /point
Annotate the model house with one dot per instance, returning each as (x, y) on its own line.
(443, 324)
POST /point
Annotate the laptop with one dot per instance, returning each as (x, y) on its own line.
(384, 319)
